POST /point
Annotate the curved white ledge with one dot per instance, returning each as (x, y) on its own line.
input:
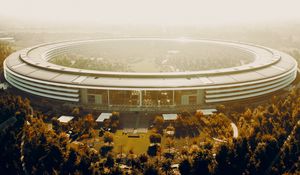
(30, 71)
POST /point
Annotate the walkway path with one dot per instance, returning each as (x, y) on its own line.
(235, 130)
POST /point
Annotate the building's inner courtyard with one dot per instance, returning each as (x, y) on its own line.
(153, 56)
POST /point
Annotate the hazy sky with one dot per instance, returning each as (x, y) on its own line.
(196, 12)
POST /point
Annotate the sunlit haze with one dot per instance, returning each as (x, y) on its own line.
(157, 12)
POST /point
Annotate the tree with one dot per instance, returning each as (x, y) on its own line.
(199, 115)
(56, 125)
(185, 167)
(224, 160)
(155, 138)
(89, 122)
(84, 165)
(150, 169)
(153, 150)
(108, 137)
(105, 149)
(5, 50)
(10, 152)
(221, 108)
(247, 114)
(116, 171)
(159, 123)
(169, 145)
(201, 163)
(110, 161)
(71, 164)
(115, 116)
(166, 166)
(54, 158)
(114, 121)
(143, 158)
(264, 155)
(76, 112)
(241, 156)
(186, 125)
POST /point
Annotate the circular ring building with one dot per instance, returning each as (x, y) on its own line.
(158, 74)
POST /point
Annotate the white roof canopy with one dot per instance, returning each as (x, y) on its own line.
(169, 116)
(103, 116)
(207, 111)
(65, 119)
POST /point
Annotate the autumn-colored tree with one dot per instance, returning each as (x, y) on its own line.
(5, 50)
(110, 162)
(108, 137)
(201, 163)
(169, 144)
(151, 169)
(166, 166)
(185, 167)
(155, 138)
(89, 122)
(153, 150)
(159, 123)
(143, 158)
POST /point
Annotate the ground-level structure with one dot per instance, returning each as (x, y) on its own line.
(31, 70)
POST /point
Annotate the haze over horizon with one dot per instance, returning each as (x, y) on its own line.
(155, 12)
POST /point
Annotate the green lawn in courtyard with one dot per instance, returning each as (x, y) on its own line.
(138, 145)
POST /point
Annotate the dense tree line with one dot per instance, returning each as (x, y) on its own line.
(5, 50)
(268, 144)
(11, 107)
